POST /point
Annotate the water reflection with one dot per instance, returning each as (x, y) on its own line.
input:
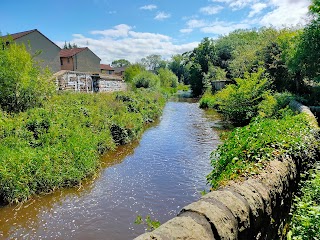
(157, 176)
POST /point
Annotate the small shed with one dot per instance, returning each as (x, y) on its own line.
(219, 84)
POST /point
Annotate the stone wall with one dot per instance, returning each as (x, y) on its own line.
(254, 209)
(86, 82)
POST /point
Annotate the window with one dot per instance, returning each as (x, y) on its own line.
(61, 61)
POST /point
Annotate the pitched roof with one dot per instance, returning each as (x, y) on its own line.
(18, 35)
(106, 67)
(71, 52)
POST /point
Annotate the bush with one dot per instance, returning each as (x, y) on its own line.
(208, 101)
(271, 105)
(239, 103)
(22, 84)
(146, 79)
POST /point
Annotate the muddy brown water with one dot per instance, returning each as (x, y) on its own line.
(156, 176)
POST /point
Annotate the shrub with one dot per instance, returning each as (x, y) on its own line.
(208, 101)
(271, 105)
(239, 103)
(146, 79)
(22, 84)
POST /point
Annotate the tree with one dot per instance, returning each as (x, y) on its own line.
(196, 79)
(132, 71)
(153, 62)
(22, 83)
(314, 8)
(276, 67)
(167, 78)
(201, 58)
(69, 45)
(179, 66)
(120, 63)
(308, 53)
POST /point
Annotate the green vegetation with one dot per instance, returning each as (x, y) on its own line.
(22, 84)
(269, 68)
(146, 79)
(120, 63)
(246, 150)
(151, 224)
(239, 102)
(305, 219)
(58, 145)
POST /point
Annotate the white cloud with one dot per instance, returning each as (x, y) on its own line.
(122, 42)
(148, 7)
(286, 13)
(195, 23)
(223, 28)
(186, 30)
(236, 4)
(256, 9)
(162, 15)
(211, 10)
(118, 31)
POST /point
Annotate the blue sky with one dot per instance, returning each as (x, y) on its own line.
(133, 29)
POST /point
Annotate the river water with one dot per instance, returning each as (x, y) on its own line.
(156, 176)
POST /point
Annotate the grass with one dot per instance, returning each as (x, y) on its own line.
(59, 144)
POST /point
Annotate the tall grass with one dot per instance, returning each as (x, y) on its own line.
(58, 145)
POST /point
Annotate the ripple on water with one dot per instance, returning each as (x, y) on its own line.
(157, 176)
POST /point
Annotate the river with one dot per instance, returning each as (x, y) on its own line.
(156, 176)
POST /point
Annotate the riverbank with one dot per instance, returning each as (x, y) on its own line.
(59, 144)
(153, 176)
(256, 171)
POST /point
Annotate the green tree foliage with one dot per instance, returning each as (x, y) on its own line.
(146, 79)
(180, 67)
(167, 78)
(69, 45)
(153, 62)
(132, 71)
(308, 53)
(201, 58)
(22, 84)
(120, 63)
(276, 67)
(239, 102)
(315, 8)
(196, 79)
